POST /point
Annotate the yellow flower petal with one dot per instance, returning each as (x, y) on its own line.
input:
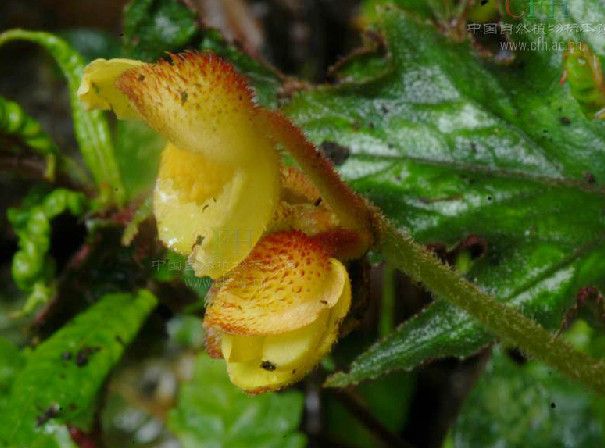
(301, 207)
(287, 357)
(297, 188)
(307, 218)
(199, 103)
(242, 348)
(284, 284)
(291, 348)
(214, 211)
(212, 342)
(98, 90)
(192, 174)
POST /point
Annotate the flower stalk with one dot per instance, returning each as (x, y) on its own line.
(352, 210)
(504, 321)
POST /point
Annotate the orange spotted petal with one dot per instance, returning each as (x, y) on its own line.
(284, 284)
(275, 361)
(212, 341)
(199, 103)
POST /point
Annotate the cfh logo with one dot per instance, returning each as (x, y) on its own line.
(533, 9)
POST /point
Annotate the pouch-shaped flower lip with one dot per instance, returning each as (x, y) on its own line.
(214, 212)
(277, 346)
(275, 361)
(284, 284)
(268, 375)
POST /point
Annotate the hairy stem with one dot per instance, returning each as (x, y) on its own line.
(352, 211)
(502, 320)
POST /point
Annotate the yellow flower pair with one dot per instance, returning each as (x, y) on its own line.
(223, 198)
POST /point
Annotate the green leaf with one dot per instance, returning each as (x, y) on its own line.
(153, 27)
(63, 375)
(92, 44)
(174, 266)
(138, 151)
(91, 129)
(11, 361)
(449, 146)
(516, 406)
(33, 269)
(442, 10)
(212, 412)
(24, 132)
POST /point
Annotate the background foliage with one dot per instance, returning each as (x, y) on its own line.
(495, 165)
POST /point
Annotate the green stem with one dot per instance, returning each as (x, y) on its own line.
(502, 320)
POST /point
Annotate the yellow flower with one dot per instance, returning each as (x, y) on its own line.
(277, 314)
(219, 180)
(221, 197)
